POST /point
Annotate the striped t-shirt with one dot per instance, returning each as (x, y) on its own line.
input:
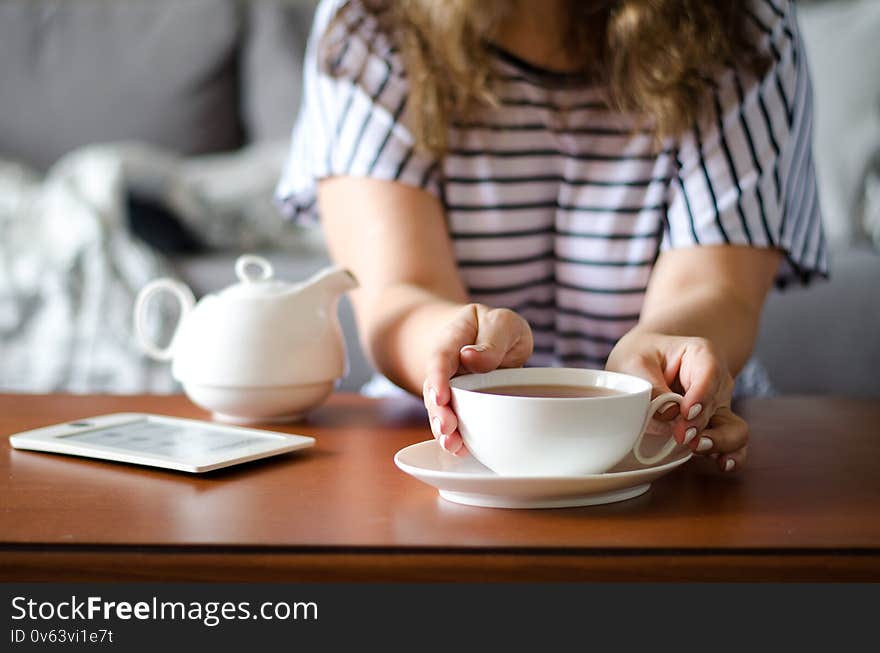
(556, 206)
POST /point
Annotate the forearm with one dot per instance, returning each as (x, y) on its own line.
(729, 321)
(716, 293)
(399, 326)
(394, 238)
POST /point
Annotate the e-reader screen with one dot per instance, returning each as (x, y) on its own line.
(189, 443)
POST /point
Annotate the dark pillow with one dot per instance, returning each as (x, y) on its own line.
(74, 72)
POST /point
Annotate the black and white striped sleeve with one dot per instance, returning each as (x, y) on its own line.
(353, 117)
(745, 173)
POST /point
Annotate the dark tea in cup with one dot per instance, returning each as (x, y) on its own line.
(551, 391)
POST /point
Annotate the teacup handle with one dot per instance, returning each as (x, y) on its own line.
(656, 405)
(184, 297)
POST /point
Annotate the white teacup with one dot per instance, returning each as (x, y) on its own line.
(552, 436)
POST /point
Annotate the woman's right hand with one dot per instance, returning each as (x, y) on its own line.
(478, 339)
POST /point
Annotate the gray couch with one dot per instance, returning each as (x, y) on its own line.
(215, 75)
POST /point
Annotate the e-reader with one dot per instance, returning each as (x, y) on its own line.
(185, 445)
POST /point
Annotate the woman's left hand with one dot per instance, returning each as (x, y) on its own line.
(693, 368)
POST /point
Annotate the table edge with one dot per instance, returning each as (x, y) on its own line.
(33, 565)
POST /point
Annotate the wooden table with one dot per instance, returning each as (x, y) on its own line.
(807, 507)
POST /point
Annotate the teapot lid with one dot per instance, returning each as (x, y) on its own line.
(256, 279)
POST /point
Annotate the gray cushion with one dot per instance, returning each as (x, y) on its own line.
(74, 72)
(272, 61)
(840, 38)
(823, 339)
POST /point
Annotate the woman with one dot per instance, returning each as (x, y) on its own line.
(610, 183)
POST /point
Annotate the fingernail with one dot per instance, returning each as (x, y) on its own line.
(432, 396)
(435, 426)
(690, 434)
(667, 406)
(695, 410)
(444, 442)
(705, 444)
(729, 464)
(476, 348)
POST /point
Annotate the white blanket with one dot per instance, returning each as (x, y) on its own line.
(70, 269)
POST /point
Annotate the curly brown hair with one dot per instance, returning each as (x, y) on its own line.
(655, 59)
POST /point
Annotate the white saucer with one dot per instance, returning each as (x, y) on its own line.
(464, 480)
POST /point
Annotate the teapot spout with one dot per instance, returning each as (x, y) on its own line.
(331, 282)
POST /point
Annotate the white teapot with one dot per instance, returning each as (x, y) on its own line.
(262, 350)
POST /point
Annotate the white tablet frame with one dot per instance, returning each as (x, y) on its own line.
(51, 439)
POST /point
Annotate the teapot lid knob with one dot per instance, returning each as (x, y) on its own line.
(246, 272)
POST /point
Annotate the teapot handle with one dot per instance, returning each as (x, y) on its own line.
(184, 297)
